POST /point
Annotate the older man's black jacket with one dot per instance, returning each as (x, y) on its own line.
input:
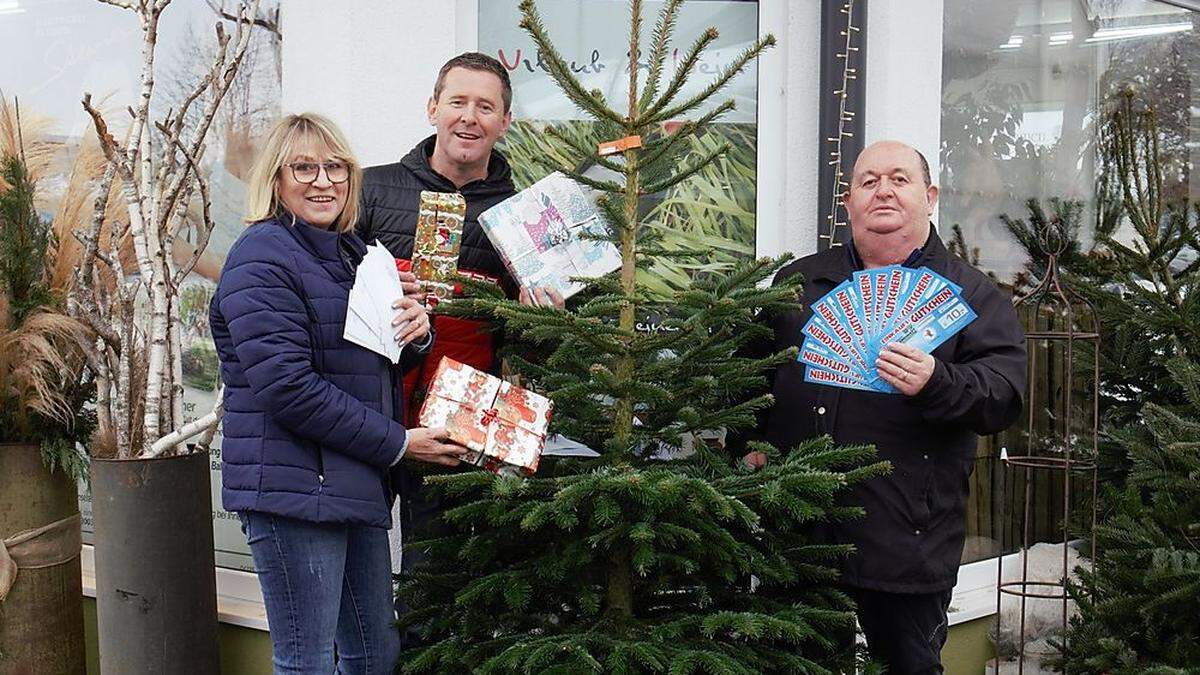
(912, 537)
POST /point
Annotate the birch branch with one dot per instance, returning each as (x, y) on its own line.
(241, 40)
(121, 410)
(108, 144)
(197, 426)
(206, 217)
(157, 184)
(94, 352)
(162, 358)
(270, 25)
(176, 349)
(82, 300)
(174, 131)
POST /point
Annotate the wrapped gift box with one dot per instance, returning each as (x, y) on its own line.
(503, 425)
(544, 232)
(438, 239)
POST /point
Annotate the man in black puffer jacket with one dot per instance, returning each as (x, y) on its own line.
(470, 110)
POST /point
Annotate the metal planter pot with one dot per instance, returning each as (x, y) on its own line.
(156, 596)
(41, 618)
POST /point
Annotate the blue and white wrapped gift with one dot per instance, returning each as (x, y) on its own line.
(545, 234)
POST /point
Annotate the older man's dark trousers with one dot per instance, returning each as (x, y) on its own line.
(904, 631)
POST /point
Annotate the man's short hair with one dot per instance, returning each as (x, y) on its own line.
(476, 61)
(924, 168)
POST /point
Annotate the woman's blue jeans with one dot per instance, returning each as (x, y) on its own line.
(325, 584)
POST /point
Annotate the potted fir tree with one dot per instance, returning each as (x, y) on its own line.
(42, 418)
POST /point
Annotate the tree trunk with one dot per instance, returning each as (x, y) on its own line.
(619, 603)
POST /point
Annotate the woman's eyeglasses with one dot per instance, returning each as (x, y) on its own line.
(307, 172)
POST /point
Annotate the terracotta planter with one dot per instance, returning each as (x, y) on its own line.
(156, 595)
(41, 619)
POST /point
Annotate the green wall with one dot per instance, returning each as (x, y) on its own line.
(245, 651)
(968, 648)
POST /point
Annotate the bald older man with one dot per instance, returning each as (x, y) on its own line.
(909, 546)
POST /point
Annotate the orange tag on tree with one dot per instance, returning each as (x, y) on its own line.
(617, 147)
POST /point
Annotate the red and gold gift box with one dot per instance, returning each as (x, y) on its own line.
(438, 239)
(504, 425)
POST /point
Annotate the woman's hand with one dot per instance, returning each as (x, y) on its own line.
(412, 322)
(433, 446)
(412, 288)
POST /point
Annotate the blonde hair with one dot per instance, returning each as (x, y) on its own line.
(262, 199)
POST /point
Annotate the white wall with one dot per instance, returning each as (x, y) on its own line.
(904, 75)
(370, 65)
(789, 104)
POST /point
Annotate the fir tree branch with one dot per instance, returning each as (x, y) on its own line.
(692, 168)
(663, 29)
(727, 74)
(583, 151)
(682, 72)
(665, 149)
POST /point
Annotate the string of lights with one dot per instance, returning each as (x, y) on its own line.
(850, 49)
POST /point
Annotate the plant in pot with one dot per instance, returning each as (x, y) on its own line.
(43, 394)
(155, 576)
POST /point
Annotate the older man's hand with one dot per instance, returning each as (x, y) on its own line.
(755, 460)
(905, 367)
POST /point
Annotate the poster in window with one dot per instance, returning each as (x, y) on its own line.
(67, 49)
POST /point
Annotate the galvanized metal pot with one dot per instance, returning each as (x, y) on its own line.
(156, 597)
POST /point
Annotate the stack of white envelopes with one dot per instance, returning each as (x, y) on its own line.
(369, 313)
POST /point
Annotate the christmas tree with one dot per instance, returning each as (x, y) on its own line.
(1139, 598)
(1138, 607)
(1141, 267)
(43, 393)
(649, 558)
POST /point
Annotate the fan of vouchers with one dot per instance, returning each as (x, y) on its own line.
(851, 324)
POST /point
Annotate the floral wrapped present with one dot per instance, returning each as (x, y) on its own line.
(438, 239)
(504, 425)
(546, 235)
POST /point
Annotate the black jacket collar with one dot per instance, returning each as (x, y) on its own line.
(498, 179)
(835, 265)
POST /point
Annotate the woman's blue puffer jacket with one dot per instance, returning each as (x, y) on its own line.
(310, 426)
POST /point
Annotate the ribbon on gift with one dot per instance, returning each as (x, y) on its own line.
(494, 419)
(44, 546)
(559, 239)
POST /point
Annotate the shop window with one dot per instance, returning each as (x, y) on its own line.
(1024, 86)
(714, 209)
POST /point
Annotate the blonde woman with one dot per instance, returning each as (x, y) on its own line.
(311, 429)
